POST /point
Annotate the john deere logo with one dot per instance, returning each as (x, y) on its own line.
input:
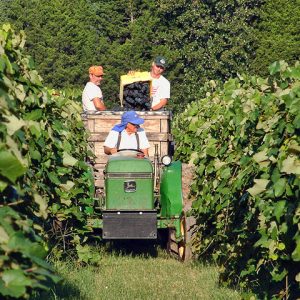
(129, 186)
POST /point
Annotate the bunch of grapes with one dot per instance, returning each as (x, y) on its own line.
(137, 96)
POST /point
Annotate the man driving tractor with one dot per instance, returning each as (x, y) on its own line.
(127, 135)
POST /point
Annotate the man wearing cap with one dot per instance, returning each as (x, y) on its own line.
(127, 135)
(160, 90)
(92, 98)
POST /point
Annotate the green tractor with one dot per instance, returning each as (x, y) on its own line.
(142, 198)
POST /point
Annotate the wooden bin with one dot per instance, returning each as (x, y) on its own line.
(157, 127)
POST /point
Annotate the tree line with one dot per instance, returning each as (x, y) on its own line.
(202, 40)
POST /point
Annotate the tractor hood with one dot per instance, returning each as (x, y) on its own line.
(129, 183)
(124, 164)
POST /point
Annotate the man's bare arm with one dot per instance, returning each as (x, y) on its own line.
(98, 102)
(161, 104)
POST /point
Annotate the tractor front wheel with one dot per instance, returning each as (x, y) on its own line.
(182, 249)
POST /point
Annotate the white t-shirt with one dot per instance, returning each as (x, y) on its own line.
(128, 141)
(160, 89)
(90, 92)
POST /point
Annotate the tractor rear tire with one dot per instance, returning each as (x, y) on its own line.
(181, 250)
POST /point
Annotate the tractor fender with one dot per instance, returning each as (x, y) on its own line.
(171, 199)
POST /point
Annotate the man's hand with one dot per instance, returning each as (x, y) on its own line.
(113, 150)
(132, 72)
(110, 151)
(146, 152)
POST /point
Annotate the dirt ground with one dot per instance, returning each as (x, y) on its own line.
(187, 178)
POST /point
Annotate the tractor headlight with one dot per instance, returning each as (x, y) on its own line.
(166, 160)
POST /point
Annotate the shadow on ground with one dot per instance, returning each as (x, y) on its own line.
(63, 289)
(134, 248)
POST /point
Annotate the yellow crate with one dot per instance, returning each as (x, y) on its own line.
(132, 77)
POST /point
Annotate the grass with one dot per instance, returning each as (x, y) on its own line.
(130, 275)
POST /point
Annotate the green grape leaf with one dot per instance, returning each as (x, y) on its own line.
(291, 165)
(13, 124)
(69, 160)
(296, 252)
(278, 209)
(279, 187)
(15, 283)
(10, 166)
(259, 186)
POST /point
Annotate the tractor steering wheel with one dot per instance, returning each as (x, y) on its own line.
(136, 150)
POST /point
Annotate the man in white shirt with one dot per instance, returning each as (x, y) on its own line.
(92, 98)
(160, 90)
(127, 135)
